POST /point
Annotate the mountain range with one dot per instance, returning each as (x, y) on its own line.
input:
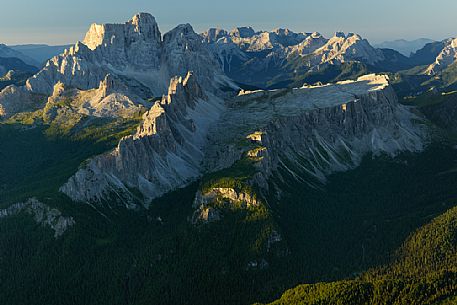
(40, 53)
(225, 168)
(405, 47)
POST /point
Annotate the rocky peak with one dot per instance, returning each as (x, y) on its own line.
(193, 87)
(180, 86)
(183, 51)
(214, 34)
(111, 84)
(352, 47)
(180, 33)
(286, 37)
(242, 32)
(142, 26)
(78, 49)
(447, 56)
(146, 24)
(282, 32)
(310, 44)
(165, 153)
(59, 89)
(182, 93)
(136, 48)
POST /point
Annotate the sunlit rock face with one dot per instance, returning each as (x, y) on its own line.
(259, 58)
(315, 131)
(165, 153)
(309, 45)
(445, 58)
(112, 99)
(319, 129)
(136, 53)
(134, 49)
(14, 99)
(136, 43)
(42, 214)
(343, 48)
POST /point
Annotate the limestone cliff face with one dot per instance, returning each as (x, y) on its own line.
(164, 154)
(136, 43)
(15, 99)
(343, 48)
(135, 52)
(445, 58)
(134, 49)
(255, 58)
(204, 203)
(322, 141)
(112, 99)
(42, 214)
(317, 130)
(307, 131)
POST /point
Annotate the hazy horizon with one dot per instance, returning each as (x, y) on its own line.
(49, 22)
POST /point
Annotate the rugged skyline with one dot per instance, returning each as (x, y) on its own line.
(35, 22)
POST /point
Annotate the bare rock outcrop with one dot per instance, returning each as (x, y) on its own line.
(190, 132)
(134, 52)
(42, 214)
(445, 58)
(165, 153)
(320, 129)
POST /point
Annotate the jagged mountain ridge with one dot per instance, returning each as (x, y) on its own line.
(164, 154)
(264, 58)
(135, 52)
(405, 47)
(119, 67)
(175, 145)
(445, 58)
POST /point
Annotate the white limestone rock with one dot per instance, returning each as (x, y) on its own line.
(319, 129)
(257, 58)
(343, 48)
(42, 214)
(446, 57)
(134, 52)
(190, 132)
(111, 99)
(309, 45)
(15, 99)
(165, 153)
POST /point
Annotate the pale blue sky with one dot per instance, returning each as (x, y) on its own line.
(63, 21)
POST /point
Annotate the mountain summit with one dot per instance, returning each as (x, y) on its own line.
(134, 51)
